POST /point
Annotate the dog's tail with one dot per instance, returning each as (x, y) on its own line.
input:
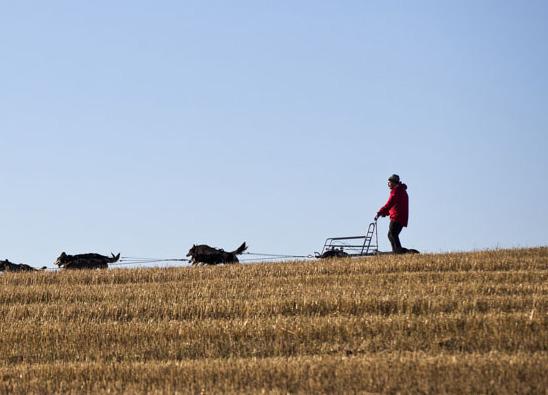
(114, 258)
(240, 249)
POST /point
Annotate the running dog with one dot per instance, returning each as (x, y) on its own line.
(212, 256)
(85, 261)
(333, 253)
(7, 266)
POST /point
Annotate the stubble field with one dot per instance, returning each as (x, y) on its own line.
(444, 323)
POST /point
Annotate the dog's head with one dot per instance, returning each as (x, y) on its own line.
(62, 260)
(192, 251)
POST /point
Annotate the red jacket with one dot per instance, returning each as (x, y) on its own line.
(397, 205)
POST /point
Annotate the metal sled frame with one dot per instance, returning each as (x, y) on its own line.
(355, 245)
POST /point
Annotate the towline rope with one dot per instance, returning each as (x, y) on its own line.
(127, 260)
(260, 260)
(275, 256)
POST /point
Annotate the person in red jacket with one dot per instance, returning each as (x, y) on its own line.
(397, 207)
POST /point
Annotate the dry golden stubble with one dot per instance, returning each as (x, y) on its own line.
(470, 318)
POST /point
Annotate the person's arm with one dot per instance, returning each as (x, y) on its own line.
(384, 210)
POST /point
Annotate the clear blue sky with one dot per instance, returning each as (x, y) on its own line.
(144, 127)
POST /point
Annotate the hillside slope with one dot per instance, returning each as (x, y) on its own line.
(460, 323)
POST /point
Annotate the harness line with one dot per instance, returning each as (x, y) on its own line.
(134, 261)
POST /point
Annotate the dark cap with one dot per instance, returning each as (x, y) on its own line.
(394, 178)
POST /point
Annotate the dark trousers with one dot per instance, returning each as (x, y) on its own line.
(394, 236)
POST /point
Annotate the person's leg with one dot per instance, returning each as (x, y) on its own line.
(393, 235)
(391, 238)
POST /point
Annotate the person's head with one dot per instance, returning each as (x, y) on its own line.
(393, 181)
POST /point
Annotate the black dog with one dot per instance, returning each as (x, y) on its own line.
(85, 261)
(333, 253)
(7, 266)
(212, 256)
